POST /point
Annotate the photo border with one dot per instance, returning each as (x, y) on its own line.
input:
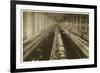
(13, 35)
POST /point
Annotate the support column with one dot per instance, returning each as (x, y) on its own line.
(76, 22)
(24, 25)
(36, 23)
(80, 23)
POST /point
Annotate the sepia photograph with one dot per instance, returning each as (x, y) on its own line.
(55, 36)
